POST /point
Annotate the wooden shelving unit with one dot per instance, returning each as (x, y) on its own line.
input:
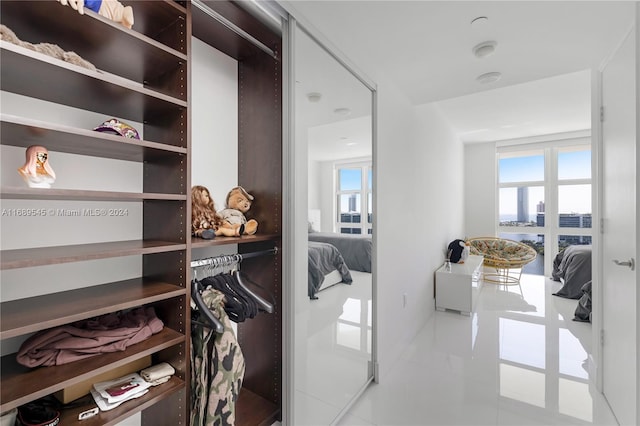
(141, 76)
(260, 172)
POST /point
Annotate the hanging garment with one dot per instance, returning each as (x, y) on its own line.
(217, 369)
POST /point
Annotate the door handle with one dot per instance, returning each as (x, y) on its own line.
(630, 263)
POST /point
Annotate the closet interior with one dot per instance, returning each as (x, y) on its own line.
(141, 76)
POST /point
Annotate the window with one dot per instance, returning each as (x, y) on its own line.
(354, 198)
(544, 196)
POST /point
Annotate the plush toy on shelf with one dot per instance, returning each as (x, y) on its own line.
(110, 9)
(37, 171)
(458, 251)
(205, 222)
(239, 203)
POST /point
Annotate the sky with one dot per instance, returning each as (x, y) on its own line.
(571, 198)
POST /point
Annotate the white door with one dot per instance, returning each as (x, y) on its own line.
(619, 353)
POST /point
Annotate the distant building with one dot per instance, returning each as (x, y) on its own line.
(523, 204)
(540, 207)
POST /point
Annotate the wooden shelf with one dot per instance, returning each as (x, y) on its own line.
(117, 415)
(29, 315)
(22, 132)
(109, 46)
(23, 258)
(36, 75)
(82, 195)
(21, 384)
(221, 241)
(253, 410)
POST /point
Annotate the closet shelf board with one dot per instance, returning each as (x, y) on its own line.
(19, 317)
(83, 195)
(107, 45)
(23, 132)
(20, 384)
(252, 410)
(117, 415)
(220, 241)
(23, 258)
(36, 75)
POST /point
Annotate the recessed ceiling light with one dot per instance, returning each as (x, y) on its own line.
(314, 96)
(352, 143)
(342, 111)
(483, 49)
(490, 77)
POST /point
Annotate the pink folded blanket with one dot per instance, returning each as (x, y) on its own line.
(107, 333)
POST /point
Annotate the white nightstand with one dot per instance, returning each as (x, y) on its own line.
(458, 289)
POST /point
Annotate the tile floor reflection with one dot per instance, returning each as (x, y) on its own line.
(518, 360)
(333, 349)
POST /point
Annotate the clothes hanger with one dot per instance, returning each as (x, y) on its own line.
(210, 320)
(263, 304)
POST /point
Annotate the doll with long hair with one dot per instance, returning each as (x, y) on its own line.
(37, 171)
(205, 221)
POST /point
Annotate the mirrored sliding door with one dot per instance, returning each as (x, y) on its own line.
(333, 319)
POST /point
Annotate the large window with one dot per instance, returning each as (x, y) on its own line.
(354, 198)
(544, 197)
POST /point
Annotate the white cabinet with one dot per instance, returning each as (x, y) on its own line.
(458, 288)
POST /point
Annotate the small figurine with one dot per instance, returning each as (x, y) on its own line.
(205, 221)
(110, 9)
(37, 171)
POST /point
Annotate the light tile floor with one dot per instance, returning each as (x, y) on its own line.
(518, 360)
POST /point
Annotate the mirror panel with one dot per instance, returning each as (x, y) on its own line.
(333, 312)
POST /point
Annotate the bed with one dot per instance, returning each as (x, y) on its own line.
(324, 260)
(572, 267)
(355, 249)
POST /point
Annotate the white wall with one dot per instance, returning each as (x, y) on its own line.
(480, 189)
(419, 210)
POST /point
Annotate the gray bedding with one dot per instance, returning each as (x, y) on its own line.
(355, 249)
(324, 258)
(573, 267)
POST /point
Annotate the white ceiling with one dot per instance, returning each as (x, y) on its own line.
(425, 49)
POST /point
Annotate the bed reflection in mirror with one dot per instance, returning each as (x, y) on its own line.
(333, 323)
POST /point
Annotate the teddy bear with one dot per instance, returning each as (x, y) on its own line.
(110, 9)
(237, 204)
(205, 221)
(458, 251)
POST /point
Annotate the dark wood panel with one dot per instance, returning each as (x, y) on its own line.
(36, 75)
(23, 258)
(22, 132)
(253, 410)
(244, 239)
(29, 315)
(107, 45)
(21, 385)
(261, 337)
(162, 395)
(82, 195)
(260, 139)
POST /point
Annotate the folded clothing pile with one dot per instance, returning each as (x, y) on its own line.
(111, 393)
(158, 374)
(107, 333)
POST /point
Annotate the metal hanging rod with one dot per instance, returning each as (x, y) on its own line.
(233, 27)
(230, 259)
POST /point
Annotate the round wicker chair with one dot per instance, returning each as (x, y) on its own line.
(507, 257)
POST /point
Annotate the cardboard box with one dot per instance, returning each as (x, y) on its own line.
(81, 389)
